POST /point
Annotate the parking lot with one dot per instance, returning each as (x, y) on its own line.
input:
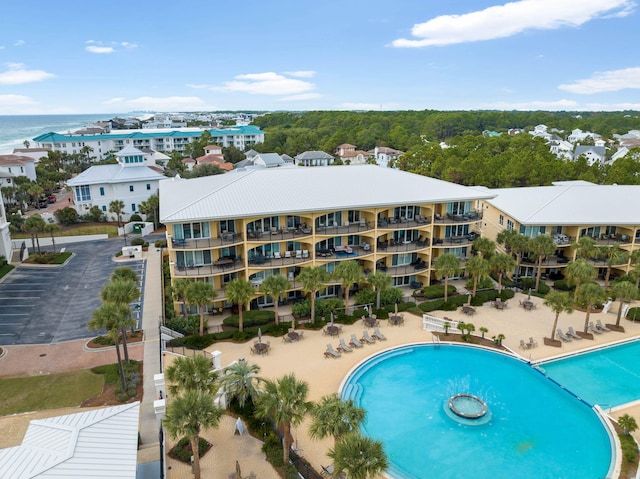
(53, 304)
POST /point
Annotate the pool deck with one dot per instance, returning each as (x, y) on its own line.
(306, 360)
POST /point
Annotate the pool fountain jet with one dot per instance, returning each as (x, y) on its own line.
(468, 409)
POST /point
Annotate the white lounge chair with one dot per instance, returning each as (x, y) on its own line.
(602, 327)
(330, 352)
(276, 255)
(367, 338)
(378, 335)
(344, 347)
(572, 333)
(593, 329)
(523, 345)
(563, 336)
(355, 342)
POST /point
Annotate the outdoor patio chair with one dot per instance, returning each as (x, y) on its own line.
(367, 338)
(532, 342)
(330, 352)
(378, 335)
(355, 342)
(287, 254)
(602, 327)
(276, 255)
(523, 345)
(344, 347)
(572, 333)
(593, 329)
(563, 336)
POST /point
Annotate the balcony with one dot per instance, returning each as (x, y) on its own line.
(278, 234)
(347, 228)
(222, 266)
(402, 223)
(288, 258)
(404, 270)
(226, 239)
(334, 254)
(450, 218)
(455, 241)
(401, 246)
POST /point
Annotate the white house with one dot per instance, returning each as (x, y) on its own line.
(579, 135)
(130, 181)
(18, 165)
(593, 154)
(5, 234)
(384, 155)
(313, 158)
(36, 153)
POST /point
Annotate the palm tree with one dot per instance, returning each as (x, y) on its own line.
(627, 423)
(189, 414)
(624, 292)
(634, 259)
(313, 278)
(121, 292)
(124, 273)
(379, 281)
(240, 291)
(179, 289)
(584, 248)
(200, 293)
(33, 225)
(579, 272)
(334, 417)
(359, 457)
(52, 229)
(275, 285)
(446, 265)
(483, 330)
(477, 267)
(241, 381)
(558, 303)
(541, 246)
(614, 255)
(284, 401)
(514, 242)
(191, 374)
(109, 316)
(116, 207)
(348, 273)
(502, 264)
(484, 246)
(590, 294)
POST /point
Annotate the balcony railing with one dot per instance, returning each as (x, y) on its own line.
(463, 218)
(262, 261)
(455, 241)
(219, 267)
(404, 270)
(226, 239)
(279, 234)
(350, 228)
(402, 246)
(401, 223)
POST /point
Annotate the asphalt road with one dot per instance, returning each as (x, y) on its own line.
(54, 304)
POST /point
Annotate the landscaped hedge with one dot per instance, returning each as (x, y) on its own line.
(454, 302)
(437, 291)
(191, 326)
(250, 318)
(633, 314)
(562, 285)
(137, 242)
(182, 450)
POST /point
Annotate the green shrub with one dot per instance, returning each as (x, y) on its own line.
(359, 313)
(182, 450)
(437, 291)
(562, 285)
(194, 342)
(507, 294)
(483, 283)
(365, 296)
(272, 448)
(191, 326)
(137, 242)
(161, 243)
(391, 296)
(250, 318)
(135, 217)
(543, 288)
(505, 281)
(118, 254)
(633, 314)
(301, 309)
(66, 216)
(528, 283)
(629, 449)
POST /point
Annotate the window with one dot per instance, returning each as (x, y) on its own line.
(148, 186)
(532, 231)
(191, 231)
(104, 208)
(83, 193)
(130, 187)
(102, 191)
(510, 225)
(501, 220)
(133, 207)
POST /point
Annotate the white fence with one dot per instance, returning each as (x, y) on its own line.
(431, 323)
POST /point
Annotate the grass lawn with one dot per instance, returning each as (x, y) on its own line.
(77, 230)
(25, 394)
(5, 269)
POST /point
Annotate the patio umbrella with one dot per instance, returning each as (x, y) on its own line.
(293, 323)
(396, 308)
(259, 335)
(331, 322)
(529, 297)
(238, 472)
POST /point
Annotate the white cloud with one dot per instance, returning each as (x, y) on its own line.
(301, 97)
(98, 49)
(199, 86)
(15, 100)
(512, 18)
(128, 45)
(301, 74)
(17, 74)
(18, 43)
(613, 80)
(170, 103)
(268, 83)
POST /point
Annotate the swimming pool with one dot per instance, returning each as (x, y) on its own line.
(609, 377)
(536, 429)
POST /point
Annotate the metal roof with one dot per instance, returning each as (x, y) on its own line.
(97, 443)
(100, 174)
(570, 203)
(253, 192)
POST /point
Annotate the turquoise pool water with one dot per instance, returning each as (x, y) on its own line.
(609, 377)
(536, 428)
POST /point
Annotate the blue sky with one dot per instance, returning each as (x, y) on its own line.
(85, 57)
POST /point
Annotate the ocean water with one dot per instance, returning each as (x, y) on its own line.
(15, 129)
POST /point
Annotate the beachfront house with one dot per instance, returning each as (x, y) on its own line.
(131, 181)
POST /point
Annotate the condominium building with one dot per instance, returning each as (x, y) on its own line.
(567, 211)
(163, 139)
(258, 222)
